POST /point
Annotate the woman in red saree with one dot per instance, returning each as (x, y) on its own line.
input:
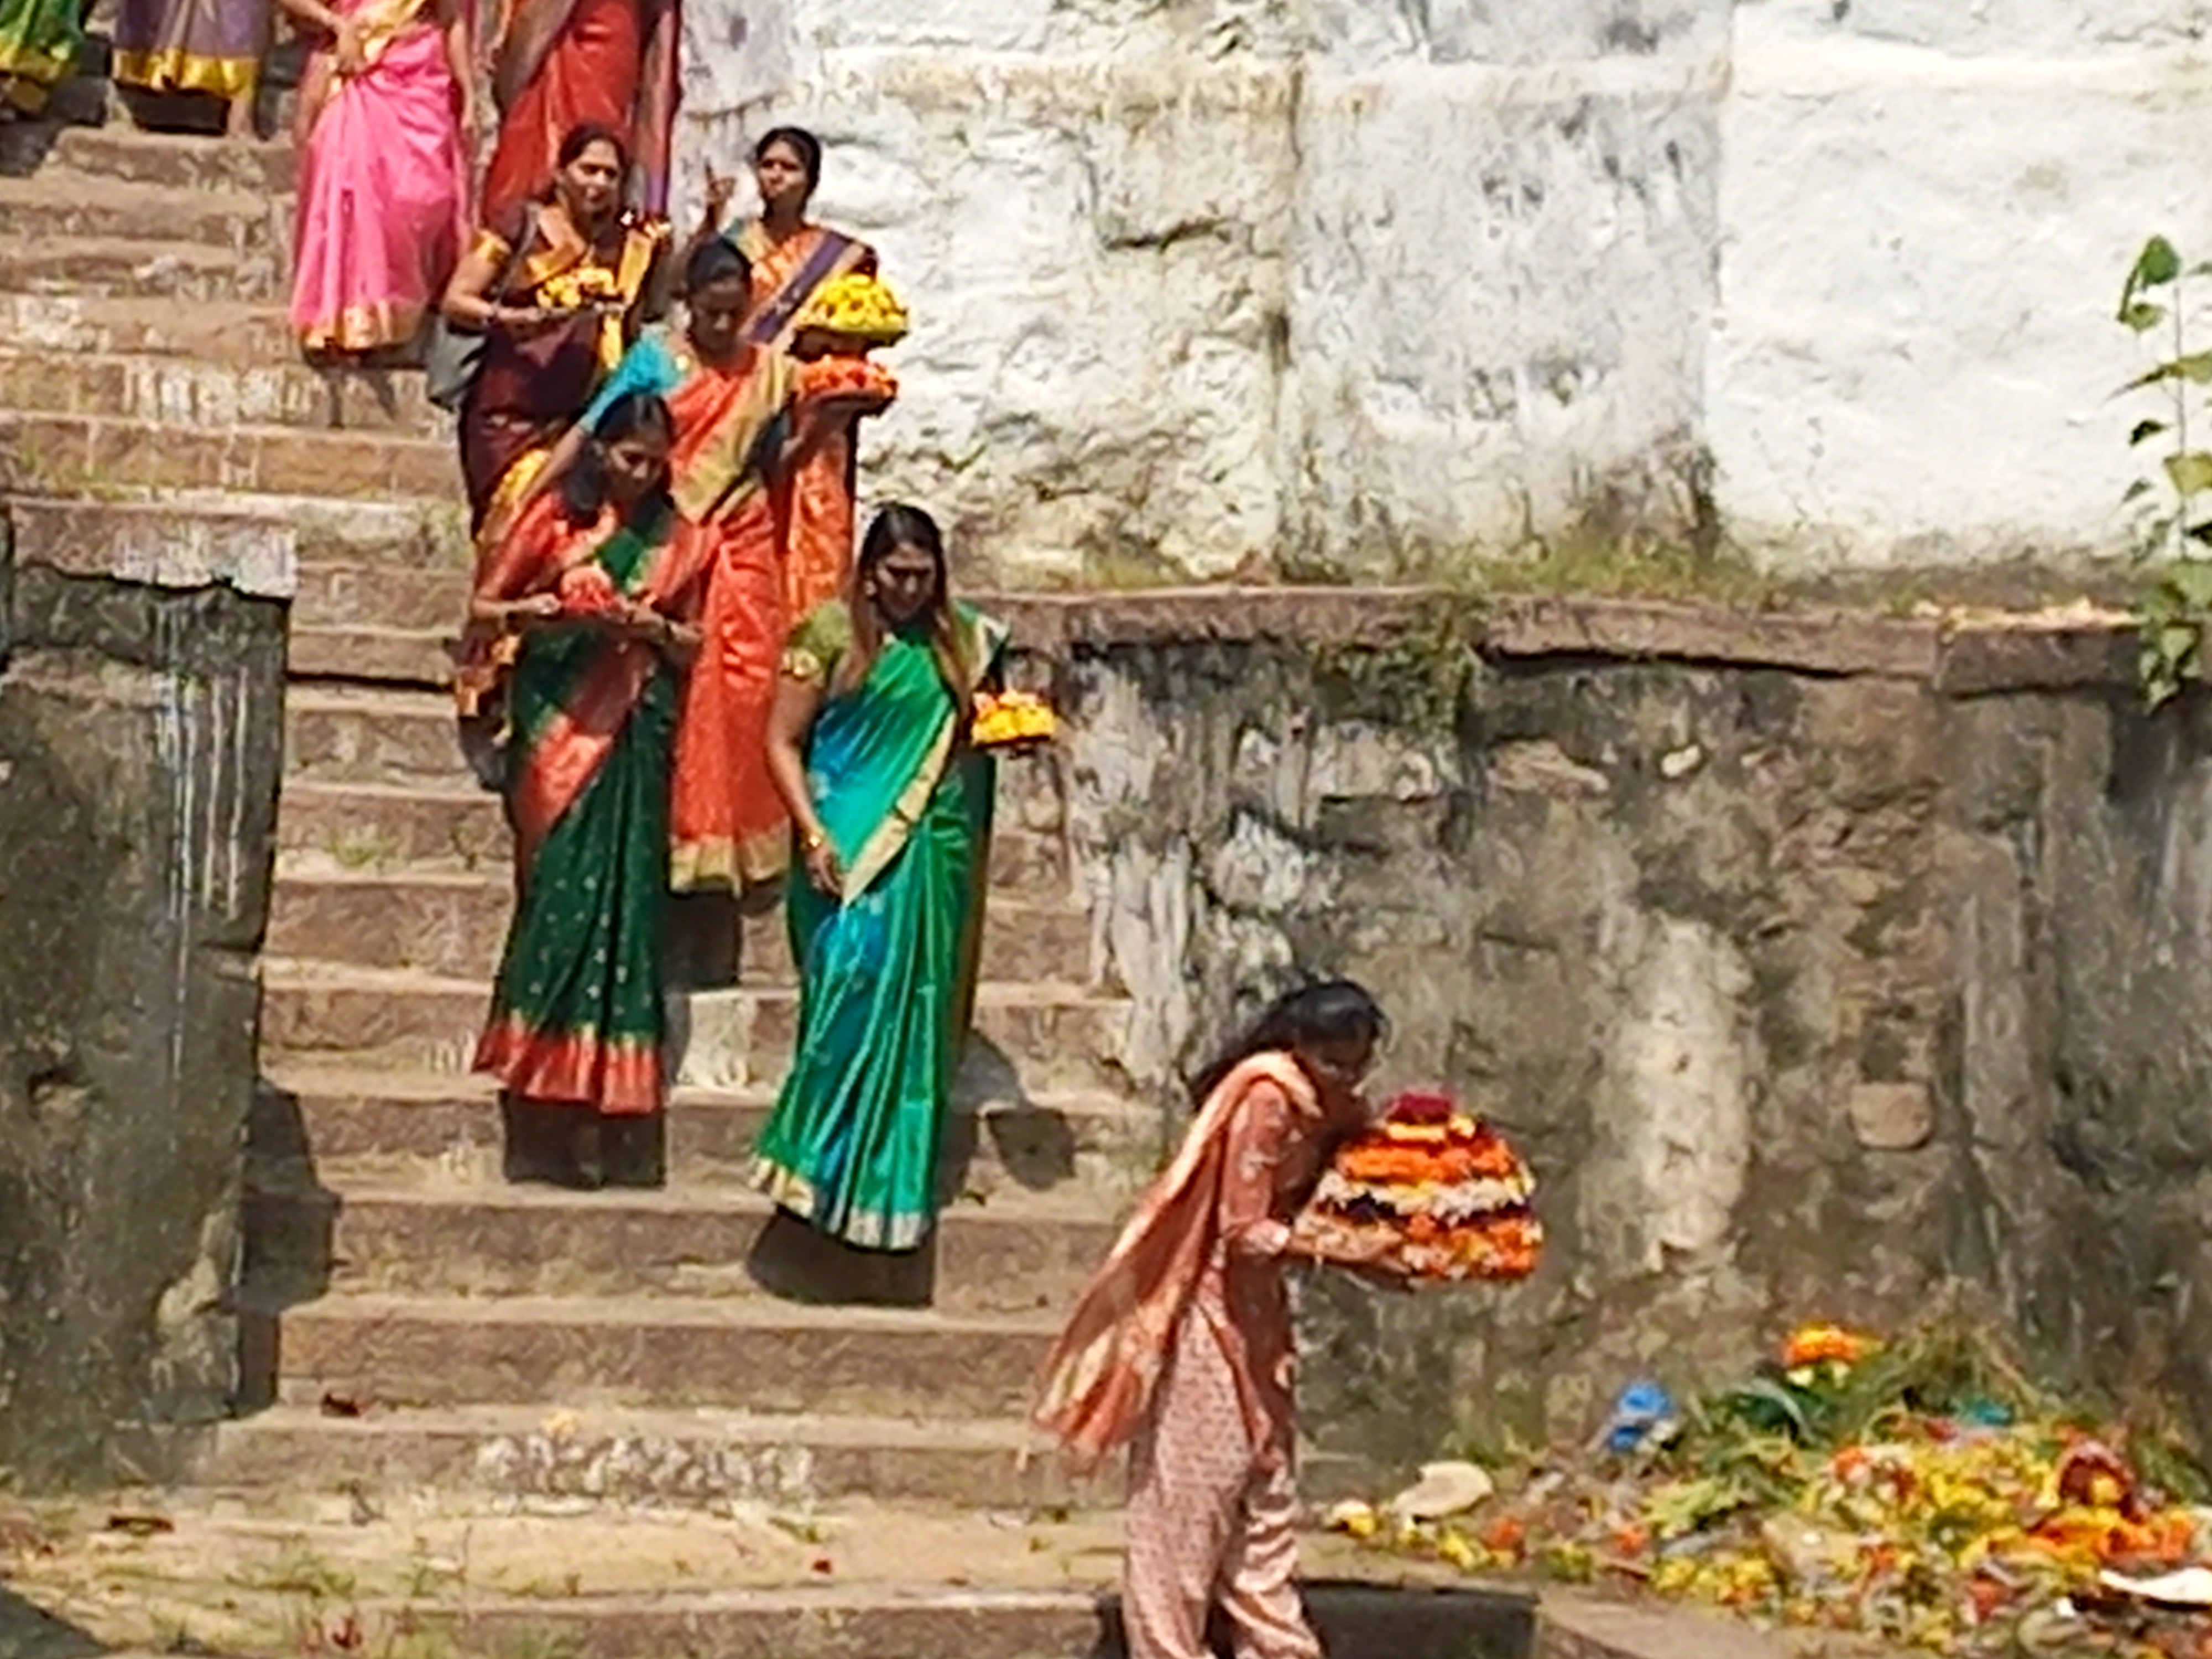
(560, 64)
(601, 581)
(792, 258)
(739, 430)
(1181, 1347)
(559, 287)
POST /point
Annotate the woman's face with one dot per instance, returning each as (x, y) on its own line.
(781, 177)
(591, 185)
(717, 316)
(904, 583)
(635, 465)
(1344, 1061)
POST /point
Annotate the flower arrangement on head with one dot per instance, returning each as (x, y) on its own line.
(1437, 1188)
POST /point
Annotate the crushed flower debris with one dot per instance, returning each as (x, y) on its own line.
(1921, 1492)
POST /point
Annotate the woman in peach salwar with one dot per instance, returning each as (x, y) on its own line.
(792, 258)
(560, 64)
(383, 200)
(1181, 1347)
(600, 582)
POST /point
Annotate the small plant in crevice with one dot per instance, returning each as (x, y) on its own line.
(2172, 518)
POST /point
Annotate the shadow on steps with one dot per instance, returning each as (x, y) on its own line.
(1378, 1622)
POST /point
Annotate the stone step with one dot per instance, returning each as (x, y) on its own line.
(422, 658)
(237, 334)
(168, 271)
(455, 923)
(664, 1458)
(332, 596)
(1003, 1140)
(62, 203)
(215, 532)
(338, 734)
(377, 1352)
(367, 827)
(76, 454)
(185, 392)
(1018, 1253)
(1054, 1036)
(120, 154)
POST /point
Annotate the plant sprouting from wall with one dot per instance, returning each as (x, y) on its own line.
(2172, 518)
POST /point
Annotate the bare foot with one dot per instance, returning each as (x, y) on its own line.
(238, 125)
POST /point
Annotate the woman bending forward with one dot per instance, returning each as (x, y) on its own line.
(1182, 1346)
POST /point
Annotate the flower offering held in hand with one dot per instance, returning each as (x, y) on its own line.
(850, 380)
(586, 590)
(1439, 1191)
(586, 285)
(857, 308)
(1011, 718)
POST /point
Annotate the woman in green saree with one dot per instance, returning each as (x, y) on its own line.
(39, 44)
(601, 580)
(868, 746)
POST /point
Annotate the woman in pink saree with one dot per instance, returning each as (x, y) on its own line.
(383, 170)
(1181, 1347)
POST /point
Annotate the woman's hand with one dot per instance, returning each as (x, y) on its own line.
(524, 320)
(537, 608)
(823, 867)
(347, 48)
(720, 190)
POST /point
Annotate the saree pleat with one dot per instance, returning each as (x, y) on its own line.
(852, 1146)
(192, 45)
(39, 44)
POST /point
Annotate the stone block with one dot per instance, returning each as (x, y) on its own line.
(1892, 1117)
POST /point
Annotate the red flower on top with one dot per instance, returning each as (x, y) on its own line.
(1416, 1107)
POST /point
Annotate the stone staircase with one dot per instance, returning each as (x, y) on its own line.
(413, 1324)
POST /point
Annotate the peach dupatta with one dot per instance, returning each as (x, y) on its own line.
(1099, 1381)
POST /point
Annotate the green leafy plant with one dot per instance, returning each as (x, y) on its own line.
(2173, 520)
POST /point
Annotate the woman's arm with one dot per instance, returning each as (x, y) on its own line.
(343, 33)
(460, 58)
(468, 302)
(791, 717)
(1260, 1131)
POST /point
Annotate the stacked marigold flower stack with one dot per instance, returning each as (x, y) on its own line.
(1435, 1190)
(846, 379)
(857, 312)
(1011, 720)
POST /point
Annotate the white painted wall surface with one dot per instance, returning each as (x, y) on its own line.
(1357, 285)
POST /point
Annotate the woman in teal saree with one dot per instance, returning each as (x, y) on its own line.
(869, 747)
(600, 582)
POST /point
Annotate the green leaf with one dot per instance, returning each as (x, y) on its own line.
(2196, 366)
(2189, 580)
(2189, 471)
(2142, 316)
(2137, 490)
(2155, 266)
(2145, 429)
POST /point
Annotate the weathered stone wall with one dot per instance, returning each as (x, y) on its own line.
(1362, 287)
(1815, 964)
(139, 735)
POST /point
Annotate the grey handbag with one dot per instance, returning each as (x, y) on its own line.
(451, 356)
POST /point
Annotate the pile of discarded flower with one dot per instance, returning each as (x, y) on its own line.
(1921, 1492)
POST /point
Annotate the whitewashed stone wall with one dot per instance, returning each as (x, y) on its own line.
(1355, 286)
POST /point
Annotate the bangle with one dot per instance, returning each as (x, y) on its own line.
(812, 840)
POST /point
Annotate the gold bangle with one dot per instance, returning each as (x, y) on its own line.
(812, 840)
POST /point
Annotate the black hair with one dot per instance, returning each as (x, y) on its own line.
(802, 144)
(584, 486)
(900, 525)
(1326, 1011)
(581, 137)
(717, 259)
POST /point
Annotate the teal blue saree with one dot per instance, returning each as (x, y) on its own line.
(887, 970)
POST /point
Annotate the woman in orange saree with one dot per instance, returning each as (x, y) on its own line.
(1182, 1346)
(559, 65)
(791, 258)
(600, 582)
(738, 429)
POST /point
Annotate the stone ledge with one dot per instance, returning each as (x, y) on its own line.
(1958, 657)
